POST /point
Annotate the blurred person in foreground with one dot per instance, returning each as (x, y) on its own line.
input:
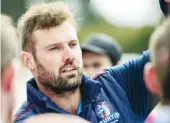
(9, 41)
(99, 52)
(54, 118)
(165, 6)
(51, 51)
(157, 72)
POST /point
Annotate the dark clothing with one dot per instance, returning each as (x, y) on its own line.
(116, 95)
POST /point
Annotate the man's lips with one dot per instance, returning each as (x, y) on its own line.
(68, 68)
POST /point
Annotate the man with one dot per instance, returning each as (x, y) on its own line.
(8, 52)
(52, 53)
(99, 51)
(157, 72)
(165, 6)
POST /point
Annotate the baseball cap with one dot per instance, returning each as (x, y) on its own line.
(102, 44)
(165, 7)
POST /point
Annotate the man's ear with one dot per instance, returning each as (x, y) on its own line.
(7, 77)
(151, 81)
(27, 59)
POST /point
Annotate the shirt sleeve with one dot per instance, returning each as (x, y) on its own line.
(130, 77)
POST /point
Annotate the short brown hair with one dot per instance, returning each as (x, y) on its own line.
(9, 40)
(160, 56)
(42, 16)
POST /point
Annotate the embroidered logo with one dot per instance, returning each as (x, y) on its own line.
(103, 110)
(105, 113)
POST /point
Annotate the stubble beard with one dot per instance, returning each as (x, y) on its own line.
(58, 85)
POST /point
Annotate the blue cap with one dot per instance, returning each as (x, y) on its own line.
(102, 44)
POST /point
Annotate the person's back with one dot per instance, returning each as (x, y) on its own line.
(157, 73)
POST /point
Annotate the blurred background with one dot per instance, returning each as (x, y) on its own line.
(130, 22)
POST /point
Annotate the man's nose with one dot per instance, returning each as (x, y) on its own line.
(68, 54)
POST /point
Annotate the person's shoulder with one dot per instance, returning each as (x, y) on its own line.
(55, 118)
(104, 77)
(161, 114)
(26, 110)
(97, 75)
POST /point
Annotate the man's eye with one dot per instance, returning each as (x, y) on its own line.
(73, 44)
(85, 65)
(96, 65)
(54, 48)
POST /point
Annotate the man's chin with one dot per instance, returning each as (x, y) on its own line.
(71, 79)
(66, 89)
(73, 82)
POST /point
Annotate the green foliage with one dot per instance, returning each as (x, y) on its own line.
(131, 39)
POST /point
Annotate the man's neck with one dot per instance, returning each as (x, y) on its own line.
(68, 101)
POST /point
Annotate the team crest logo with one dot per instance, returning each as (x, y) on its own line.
(103, 110)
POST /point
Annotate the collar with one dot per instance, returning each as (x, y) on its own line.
(89, 89)
(39, 99)
(80, 107)
(33, 93)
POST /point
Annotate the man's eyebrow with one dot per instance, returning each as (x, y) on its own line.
(57, 44)
(52, 45)
(75, 40)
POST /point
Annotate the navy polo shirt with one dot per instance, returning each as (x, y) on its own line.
(115, 95)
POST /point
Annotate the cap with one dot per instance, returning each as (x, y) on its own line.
(102, 44)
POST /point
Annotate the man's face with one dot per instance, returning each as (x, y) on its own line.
(94, 63)
(58, 58)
